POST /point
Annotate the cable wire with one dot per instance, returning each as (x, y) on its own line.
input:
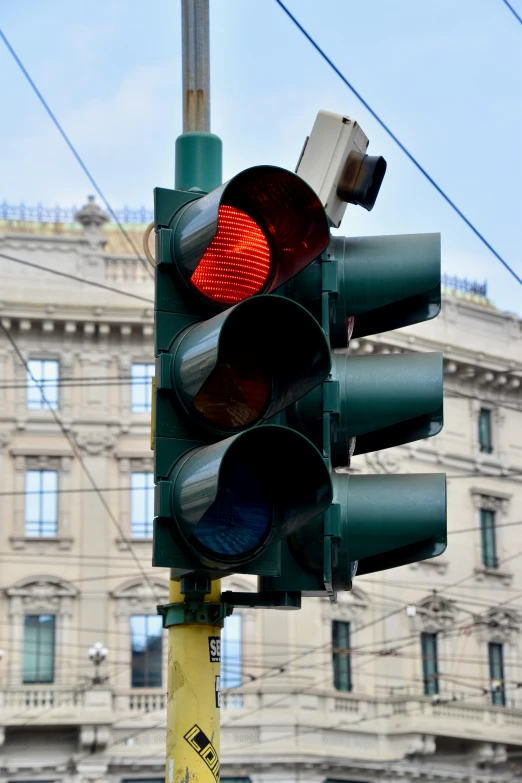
(74, 151)
(404, 149)
(80, 459)
(76, 278)
(517, 17)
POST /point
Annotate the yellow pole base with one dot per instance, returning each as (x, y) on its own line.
(193, 698)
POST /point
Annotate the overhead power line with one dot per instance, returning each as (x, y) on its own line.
(74, 151)
(399, 143)
(67, 435)
(517, 17)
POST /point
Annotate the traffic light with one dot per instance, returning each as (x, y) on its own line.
(230, 355)
(361, 286)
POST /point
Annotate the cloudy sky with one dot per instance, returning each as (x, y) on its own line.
(446, 76)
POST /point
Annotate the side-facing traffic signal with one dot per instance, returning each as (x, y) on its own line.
(358, 287)
(228, 358)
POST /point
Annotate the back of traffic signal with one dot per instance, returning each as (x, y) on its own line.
(253, 412)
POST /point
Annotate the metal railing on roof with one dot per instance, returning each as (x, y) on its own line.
(463, 284)
(40, 214)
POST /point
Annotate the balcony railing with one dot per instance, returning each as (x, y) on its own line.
(412, 713)
(40, 698)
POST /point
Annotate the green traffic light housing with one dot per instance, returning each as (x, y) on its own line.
(253, 413)
(247, 237)
(229, 356)
(383, 283)
(375, 523)
(380, 401)
(224, 504)
(240, 367)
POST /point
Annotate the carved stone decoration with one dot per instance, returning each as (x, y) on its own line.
(422, 745)
(382, 462)
(500, 625)
(42, 595)
(92, 219)
(94, 738)
(42, 463)
(487, 753)
(4, 440)
(350, 607)
(138, 596)
(435, 614)
(145, 465)
(95, 442)
(483, 499)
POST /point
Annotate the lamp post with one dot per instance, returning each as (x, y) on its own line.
(97, 653)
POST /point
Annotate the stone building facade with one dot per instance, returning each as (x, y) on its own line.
(414, 675)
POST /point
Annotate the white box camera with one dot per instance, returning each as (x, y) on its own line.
(334, 163)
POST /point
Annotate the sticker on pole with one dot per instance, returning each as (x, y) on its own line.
(198, 740)
(214, 649)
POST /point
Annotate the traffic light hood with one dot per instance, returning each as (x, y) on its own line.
(384, 282)
(245, 364)
(226, 502)
(376, 522)
(247, 236)
(381, 401)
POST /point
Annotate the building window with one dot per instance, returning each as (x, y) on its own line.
(146, 646)
(231, 652)
(430, 669)
(489, 544)
(141, 393)
(142, 504)
(342, 664)
(41, 503)
(42, 392)
(38, 657)
(496, 674)
(485, 441)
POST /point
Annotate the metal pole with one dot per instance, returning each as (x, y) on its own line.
(194, 657)
(193, 696)
(196, 65)
(198, 152)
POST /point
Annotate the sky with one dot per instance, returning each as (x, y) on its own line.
(446, 76)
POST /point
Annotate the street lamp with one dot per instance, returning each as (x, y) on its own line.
(97, 653)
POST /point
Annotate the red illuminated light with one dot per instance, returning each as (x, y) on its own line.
(237, 262)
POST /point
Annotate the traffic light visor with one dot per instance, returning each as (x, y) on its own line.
(231, 499)
(248, 236)
(245, 364)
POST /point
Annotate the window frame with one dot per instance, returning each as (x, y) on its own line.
(488, 538)
(142, 528)
(430, 674)
(232, 649)
(143, 384)
(49, 680)
(41, 523)
(341, 661)
(498, 697)
(156, 670)
(39, 376)
(485, 428)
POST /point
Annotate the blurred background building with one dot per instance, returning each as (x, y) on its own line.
(414, 675)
